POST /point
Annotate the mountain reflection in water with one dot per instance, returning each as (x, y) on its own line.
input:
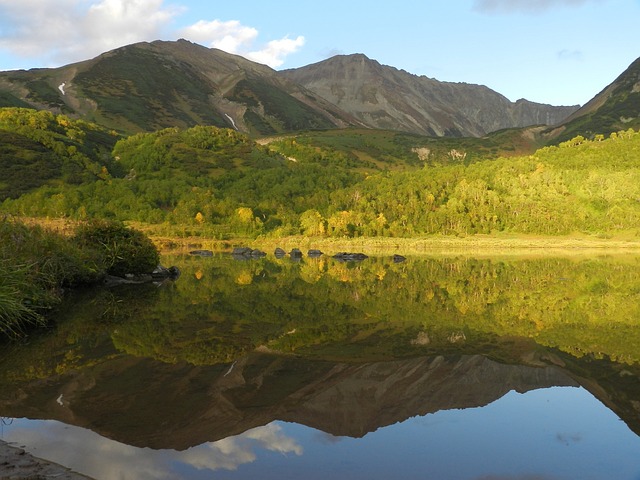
(223, 367)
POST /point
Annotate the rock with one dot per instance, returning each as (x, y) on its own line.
(313, 253)
(350, 257)
(279, 253)
(295, 253)
(162, 272)
(398, 258)
(201, 253)
(158, 275)
(246, 253)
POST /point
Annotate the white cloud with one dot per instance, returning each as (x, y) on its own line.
(233, 37)
(56, 32)
(528, 6)
(63, 31)
(275, 51)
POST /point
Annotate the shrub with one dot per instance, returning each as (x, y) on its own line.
(124, 250)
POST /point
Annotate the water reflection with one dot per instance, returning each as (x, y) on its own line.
(100, 457)
(557, 433)
(200, 369)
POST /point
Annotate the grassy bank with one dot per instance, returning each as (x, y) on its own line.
(37, 264)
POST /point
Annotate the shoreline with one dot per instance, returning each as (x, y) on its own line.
(16, 463)
(477, 245)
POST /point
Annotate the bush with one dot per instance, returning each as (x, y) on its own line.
(124, 250)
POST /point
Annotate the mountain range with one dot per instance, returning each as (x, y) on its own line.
(386, 98)
(149, 86)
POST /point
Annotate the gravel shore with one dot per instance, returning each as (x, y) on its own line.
(17, 464)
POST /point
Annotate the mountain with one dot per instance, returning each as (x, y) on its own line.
(384, 97)
(149, 86)
(615, 108)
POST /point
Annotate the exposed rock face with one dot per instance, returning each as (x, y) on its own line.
(385, 97)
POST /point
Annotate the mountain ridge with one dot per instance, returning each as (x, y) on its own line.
(149, 86)
(152, 85)
(615, 108)
(385, 97)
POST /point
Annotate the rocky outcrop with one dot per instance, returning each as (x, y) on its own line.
(384, 97)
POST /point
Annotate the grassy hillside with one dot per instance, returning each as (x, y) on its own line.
(40, 148)
(392, 150)
(138, 87)
(219, 183)
(25, 165)
(150, 86)
(282, 112)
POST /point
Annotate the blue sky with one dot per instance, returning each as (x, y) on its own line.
(561, 52)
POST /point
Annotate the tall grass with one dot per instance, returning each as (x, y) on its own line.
(36, 265)
(16, 306)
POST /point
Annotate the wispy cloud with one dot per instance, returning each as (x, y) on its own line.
(573, 55)
(526, 6)
(56, 32)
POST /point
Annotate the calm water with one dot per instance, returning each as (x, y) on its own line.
(443, 368)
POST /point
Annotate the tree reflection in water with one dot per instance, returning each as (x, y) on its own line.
(345, 348)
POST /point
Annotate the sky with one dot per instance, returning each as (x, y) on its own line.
(560, 52)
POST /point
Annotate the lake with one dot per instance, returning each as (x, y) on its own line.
(435, 367)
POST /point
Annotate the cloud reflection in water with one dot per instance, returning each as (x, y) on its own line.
(106, 459)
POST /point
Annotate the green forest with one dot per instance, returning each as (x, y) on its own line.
(220, 183)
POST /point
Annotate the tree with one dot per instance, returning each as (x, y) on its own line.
(312, 223)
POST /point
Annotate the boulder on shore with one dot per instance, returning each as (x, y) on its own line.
(201, 253)
(160, 274)
(295, 253)
(244, 253)
(314, 253)
(241, 252)
(279, 253)
(350, 257)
